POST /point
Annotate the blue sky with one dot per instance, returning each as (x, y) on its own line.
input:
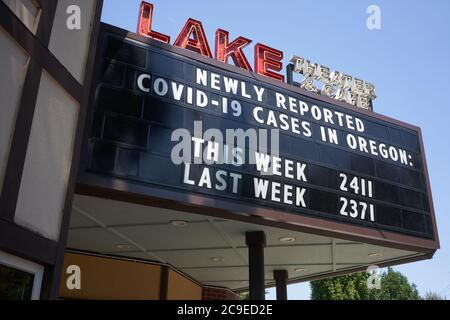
(408, 60)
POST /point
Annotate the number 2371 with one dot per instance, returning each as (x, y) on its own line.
(357, 209)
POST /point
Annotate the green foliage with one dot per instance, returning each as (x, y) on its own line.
(349, 287)
(394, 286)
(433, 296)
(245, 296)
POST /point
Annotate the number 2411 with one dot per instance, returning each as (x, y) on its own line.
(356, 185)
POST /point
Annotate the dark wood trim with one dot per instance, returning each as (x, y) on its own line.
(13, 238)
(164, 283)
(37, 47)
(19, 142)
(56, 270)
(39, 50)
(44, 30)
(34, 247)
(47, 281)
(17, 240)
(34, 46)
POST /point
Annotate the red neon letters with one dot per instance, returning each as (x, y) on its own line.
(224, 49)
(198, 43)
(267, 59)
(192, 37)
(145, 23)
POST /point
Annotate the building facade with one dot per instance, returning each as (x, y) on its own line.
(93, 207)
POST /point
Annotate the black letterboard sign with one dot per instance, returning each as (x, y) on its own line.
(320, 159)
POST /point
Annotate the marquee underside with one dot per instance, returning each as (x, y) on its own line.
(211, 250)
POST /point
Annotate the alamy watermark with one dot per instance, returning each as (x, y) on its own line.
(374, 279)
(73, 281)
(373, 21)
(212, 147)
(73, 21)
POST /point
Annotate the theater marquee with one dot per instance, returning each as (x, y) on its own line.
(333, 170)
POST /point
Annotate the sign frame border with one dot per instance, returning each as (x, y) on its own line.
(91, 184)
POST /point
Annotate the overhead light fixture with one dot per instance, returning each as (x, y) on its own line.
(286, 239)
(217, 259)
(123, 246)
(375, 255)
(301, 270)
(179, 223)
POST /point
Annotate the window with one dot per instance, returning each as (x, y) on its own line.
(19, 279)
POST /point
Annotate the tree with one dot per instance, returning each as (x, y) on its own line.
(433, 296)
(394, 286)
(349, 287)
(245, 296)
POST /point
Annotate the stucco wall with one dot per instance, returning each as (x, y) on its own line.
(13, 66)
(70, 46)
(27, 11)
(48, 160)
